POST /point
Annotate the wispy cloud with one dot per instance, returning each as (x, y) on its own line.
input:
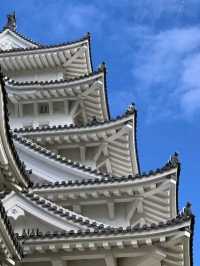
(156, 41)
(167, 71)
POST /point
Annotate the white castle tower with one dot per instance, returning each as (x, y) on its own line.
(72, 192)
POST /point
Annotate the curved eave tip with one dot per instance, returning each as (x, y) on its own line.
(174, 159)
(88, 35)
(102, 67)
(131, 109)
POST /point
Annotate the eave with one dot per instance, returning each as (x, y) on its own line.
(156, 193)
(116, 138)
(64, 169)
(49, 212)
(171, 237)
(89, 91)
(72, 56)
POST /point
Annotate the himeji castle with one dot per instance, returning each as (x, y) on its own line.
(71, 191)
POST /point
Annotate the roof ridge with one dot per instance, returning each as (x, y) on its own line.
(61, 211)
(50, 82)
(184, 216)
(107, 179)
(49, 46)
(58, 158)
(92, 123)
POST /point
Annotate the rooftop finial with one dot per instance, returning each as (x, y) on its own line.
(174, 160)
(11, 21)
(102, 66)
(188, 209)
(131, 109)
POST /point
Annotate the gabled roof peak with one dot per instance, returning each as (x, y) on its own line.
(11, 22)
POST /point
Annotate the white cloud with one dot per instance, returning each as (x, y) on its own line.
(168, 71)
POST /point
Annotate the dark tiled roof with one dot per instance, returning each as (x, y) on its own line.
(180, 219)
(51, 82)
(19, 163)
(44, 46)
(63, 213)
(9, 229)
(108, 179)
(90, 124)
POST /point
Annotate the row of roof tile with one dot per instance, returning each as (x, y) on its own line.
(51, 82)
(63, 213)
(94, 122)
(107, 179)
(184, 216)
(173, 162)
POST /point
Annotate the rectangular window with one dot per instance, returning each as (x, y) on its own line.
(43, 108)
(27, 109)
(58, 107)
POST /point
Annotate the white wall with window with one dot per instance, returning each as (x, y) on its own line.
(40, 113)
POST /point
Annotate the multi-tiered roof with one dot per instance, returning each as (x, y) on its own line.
(71, 187)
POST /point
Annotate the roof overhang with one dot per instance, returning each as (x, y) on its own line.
(74, 57)
(12, 171)
(171, 240)
(116, 138)
(157, 193)
(89, 92)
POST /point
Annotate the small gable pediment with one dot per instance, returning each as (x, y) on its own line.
(11, 40)
(26, 214)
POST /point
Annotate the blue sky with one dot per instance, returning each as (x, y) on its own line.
(152, 52)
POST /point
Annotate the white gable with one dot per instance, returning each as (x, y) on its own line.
(27, 214)
(10, 40)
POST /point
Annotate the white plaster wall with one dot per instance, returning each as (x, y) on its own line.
(100, 213)
(20, 119)
(74, 155)
(51, 119)
(37, 75)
